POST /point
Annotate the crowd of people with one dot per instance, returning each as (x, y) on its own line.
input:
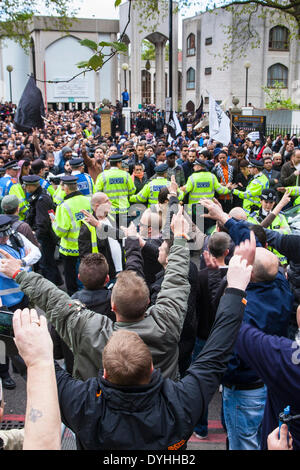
(163, 268)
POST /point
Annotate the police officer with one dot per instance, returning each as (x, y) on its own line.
(84, 181)
(118, 186)
(10, 177)
(38, 218)
(268, 201)
(17, 190)
(294, 191)
(202, 184)
(11, 295)
(149, 193)
(66, 226)
(257, 184)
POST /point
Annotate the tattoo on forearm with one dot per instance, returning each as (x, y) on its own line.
(34, 415)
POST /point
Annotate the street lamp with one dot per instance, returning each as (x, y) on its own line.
(125, 67)
(247, 66)
(10, 68)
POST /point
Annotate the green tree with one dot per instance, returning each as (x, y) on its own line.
(16, 16)
(275, 100)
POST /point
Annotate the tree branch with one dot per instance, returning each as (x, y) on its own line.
(110, 56)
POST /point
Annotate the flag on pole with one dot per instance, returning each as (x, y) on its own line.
(199, 111)
(174, 127)
(219, 123)
(30, 110)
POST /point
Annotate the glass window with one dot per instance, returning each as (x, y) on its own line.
(208, 41)
(207, 71)
(279, 38)
(277, 73)
(190, 79)
(191, 47)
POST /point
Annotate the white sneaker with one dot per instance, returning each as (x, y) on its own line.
(199, 436)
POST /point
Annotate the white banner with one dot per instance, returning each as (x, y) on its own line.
(219, 123)
(77, 88)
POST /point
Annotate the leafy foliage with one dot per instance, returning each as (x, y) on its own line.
(275, 100)
(16, 16)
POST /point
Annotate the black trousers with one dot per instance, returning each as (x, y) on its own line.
(4, 367)
(70, 273)
(47, 262)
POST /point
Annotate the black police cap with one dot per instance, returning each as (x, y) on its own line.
(31, 179)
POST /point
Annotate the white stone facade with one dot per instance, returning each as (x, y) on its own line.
(224, 84)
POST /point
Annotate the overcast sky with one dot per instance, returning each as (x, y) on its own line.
(105, 9)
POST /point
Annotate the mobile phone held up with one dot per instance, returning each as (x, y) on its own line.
(6, 324)
(51, 215)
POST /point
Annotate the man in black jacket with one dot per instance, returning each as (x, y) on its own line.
(130, 406)
(39, 220)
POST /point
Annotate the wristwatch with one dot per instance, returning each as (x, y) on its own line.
(23, 263)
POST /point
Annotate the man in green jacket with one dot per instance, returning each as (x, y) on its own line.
(86, 333)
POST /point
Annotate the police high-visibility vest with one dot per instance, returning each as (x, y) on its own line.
(149, 193)
(6, 183)
(279, 224)
(18, 191)
(203, 184)
(10, 291)
(253, 192)
(59, 195)
(118, 186)
(294, 191)
(93, 231)
(46, 185)
(85, 184)
(67, 222)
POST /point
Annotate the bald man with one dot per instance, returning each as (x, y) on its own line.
(94, 239)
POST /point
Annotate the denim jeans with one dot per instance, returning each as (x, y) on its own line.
(201, 427)
(243, 413)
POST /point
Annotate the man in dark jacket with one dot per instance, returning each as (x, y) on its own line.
(269, 307)
(93, 273)
(130, 406)
(39, 220)
(280, 372)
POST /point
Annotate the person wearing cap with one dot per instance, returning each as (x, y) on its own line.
(202, 184)
(268, 202)
(10, 177)
(174, 168)
(117, 184)
(64, 155)
(38, 167)
(10, 293)
(10, 206)
(66, 226)
(38, 219)
(18, 191)
(84, 181)
(150, 192)
(258, 183)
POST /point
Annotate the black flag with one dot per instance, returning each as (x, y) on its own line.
(30, 108)
(199, 111)
(174, 127)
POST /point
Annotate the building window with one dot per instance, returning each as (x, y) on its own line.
(190, 79)
(279, 38)
(207, 71)
(206, 100)
(277, 73)
(191, 47)
(208, 41)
